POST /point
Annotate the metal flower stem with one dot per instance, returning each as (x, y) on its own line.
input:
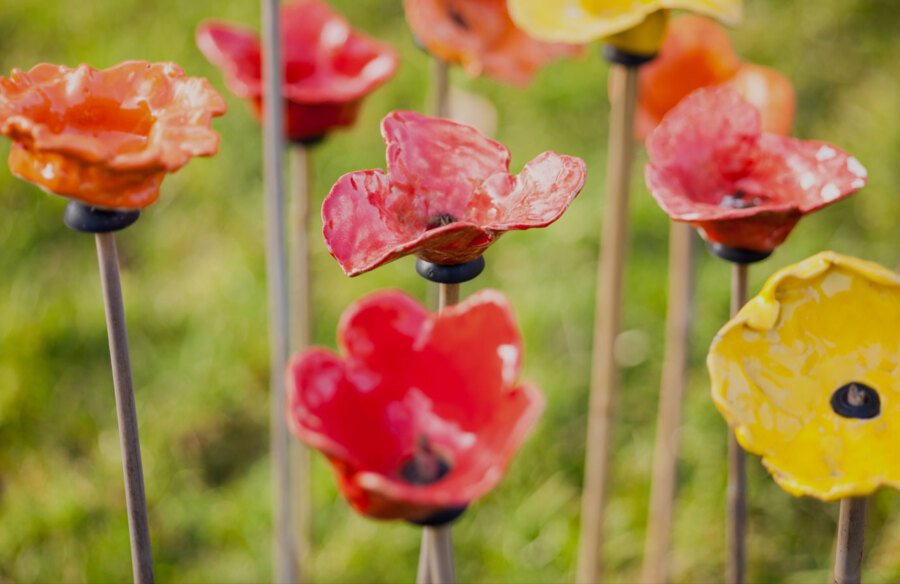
(301, 326)
(851, 534)
(736, 516)
(135, 500)
(604, 374)
(287, 569)
(436, 554)
(671, 396)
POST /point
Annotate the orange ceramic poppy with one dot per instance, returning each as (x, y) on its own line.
(480, 36)
(106, 137)
(697, 52)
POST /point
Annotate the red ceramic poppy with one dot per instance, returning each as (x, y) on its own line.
(697, 52)
(711, 166)
(106, 137)
(446, 197)
(480, 36)
(422, 413)
(328, 67)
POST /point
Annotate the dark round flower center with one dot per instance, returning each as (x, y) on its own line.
(856, 400)
(456, 17)
(740, 200)
(440, 220)
(425, 466)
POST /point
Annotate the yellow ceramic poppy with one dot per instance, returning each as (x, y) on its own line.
(634, 26)
(808, 375)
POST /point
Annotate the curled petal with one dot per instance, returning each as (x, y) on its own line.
(441, 161)
(381, 330)
(537, 197)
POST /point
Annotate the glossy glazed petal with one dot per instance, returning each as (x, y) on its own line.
(447, 196)
(329, 68)
(581, 21)
(697, 52)
(480, 36)
(711, 166)
(816, 326)
(412, 389)
(106, 137)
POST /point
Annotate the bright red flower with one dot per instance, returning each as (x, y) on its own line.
(697, 52)
(106, 137)
(480, 36)
(711, 166)
(423, 412)
(329, 68)
(446, 197)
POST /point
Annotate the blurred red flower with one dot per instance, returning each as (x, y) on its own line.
(423, 412)
(697, 52)
(106, 137)
(446, 197)
(480, 36)
(328, 67)
(712, 166)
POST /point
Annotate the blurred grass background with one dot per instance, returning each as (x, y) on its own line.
(195, 296)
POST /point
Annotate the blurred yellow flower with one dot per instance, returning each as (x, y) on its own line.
(633, 26)
(808, 375)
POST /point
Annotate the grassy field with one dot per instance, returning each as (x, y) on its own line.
(195, 295)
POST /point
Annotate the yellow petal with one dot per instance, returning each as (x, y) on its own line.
(580, 21)
(815, 327)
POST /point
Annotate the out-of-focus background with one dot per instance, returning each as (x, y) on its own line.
(196, 304)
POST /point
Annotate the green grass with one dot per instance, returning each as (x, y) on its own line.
(195, 294)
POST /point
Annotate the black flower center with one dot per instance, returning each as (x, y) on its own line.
(425, 466)
(456, 17)
(740, 200)
(856, 400)
(440, 220)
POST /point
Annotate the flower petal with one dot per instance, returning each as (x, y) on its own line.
(537, 197)
(439, 162)
(236, 50)
(380, 330)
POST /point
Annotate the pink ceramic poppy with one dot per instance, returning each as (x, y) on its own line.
(446, 197)
(329, 68)
(711, 166)
(422, 413)
(106, 137)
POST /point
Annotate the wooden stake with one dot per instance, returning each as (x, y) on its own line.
(736, 519)
(441, 89)
(129, 440)
(851, 535)
(301, 330)
(663, 484)
(287, 569)
(623, 81)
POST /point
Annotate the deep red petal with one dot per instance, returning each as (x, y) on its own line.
(537, 197)
(380, 330)
(236, 50)
(439, 162)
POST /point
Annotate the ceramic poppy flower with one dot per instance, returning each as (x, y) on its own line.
(480, 36)
(808, 375)
(697, 52)
(106, 137)
(446, 197)
(421, 413)
(634, 26)
(711, 166)
(328, 67)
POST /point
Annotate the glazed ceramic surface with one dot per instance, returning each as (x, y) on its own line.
(106, 137)
(712, 166)
(784, 368)
(446, 197)
(329, 68)
(420, 412)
